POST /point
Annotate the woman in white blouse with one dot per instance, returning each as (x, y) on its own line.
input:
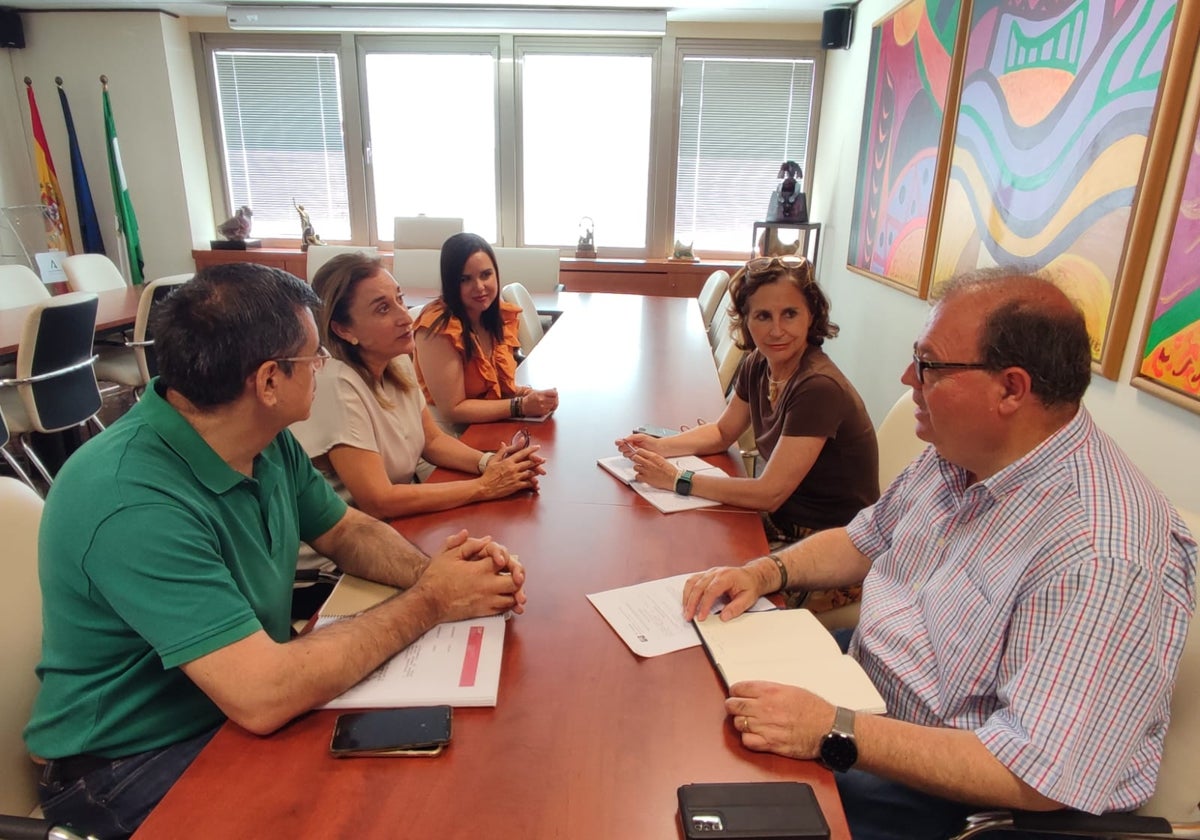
(369, 423)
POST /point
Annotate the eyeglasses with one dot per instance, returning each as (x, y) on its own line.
(317, 361)
(921, 365)
(790, 262)
(521, 440)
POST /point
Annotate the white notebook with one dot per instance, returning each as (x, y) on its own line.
(667, 501)
(789, 647)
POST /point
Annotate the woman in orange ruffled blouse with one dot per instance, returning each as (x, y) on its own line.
(465, 343)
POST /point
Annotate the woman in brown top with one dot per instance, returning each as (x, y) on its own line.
(810, 425)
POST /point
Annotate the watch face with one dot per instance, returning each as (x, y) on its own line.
(838, 752)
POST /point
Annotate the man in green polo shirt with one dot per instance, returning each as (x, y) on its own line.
(168, 549)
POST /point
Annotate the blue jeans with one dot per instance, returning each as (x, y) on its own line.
(112, 801)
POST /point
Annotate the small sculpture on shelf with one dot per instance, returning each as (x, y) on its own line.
(308, 235)
(236, 231)
(788, 203)
(586, 248)
(683, 251)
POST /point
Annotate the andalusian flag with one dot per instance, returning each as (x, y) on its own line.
(58, 231)
(126, 219)
(89, 225)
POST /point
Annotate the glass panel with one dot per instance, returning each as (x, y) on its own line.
(739, 119)
(433, 138)
(280, 116)
(585, 139)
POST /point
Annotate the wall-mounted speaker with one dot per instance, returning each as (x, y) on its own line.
(836, 26)
(12, 34)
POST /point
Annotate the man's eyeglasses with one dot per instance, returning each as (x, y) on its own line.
(317, 361)
(921, 365)
(789, 262)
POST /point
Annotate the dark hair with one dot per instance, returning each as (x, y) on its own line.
(335, 283)
(455, 252)
(1034, 326)
(746, 282)
(215, 330)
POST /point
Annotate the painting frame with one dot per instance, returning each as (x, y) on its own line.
(898, 200)
(1172, 315)
(1064, 183)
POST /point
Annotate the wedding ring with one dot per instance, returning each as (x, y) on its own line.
(745, 726)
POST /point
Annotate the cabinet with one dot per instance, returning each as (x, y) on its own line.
(292, 260)
(808, 235)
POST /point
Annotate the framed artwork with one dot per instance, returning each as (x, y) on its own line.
(902, 153)
(1055, 120)
(1169, 364)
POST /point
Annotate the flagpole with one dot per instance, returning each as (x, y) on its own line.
(126, 221)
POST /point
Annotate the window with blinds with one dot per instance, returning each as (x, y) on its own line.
(739, 119)
(280, 122)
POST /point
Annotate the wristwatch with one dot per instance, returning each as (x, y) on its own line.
(839, 750)
(683, 483)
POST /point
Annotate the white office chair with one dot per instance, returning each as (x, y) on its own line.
(534, 268)
(728, 357)
(417, 268)
(55, 386)
(133, 365)
(21, 626)
(711, 293)
(718, 327)
(1174, 809)
(318, 255)
(530, 325)
(92, 273)
(424, 231)
(20, 286)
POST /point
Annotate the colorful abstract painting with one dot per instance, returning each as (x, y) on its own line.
(1171, 347)
(908, 82)
(1057, 102)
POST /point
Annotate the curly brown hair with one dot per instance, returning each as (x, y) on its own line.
(763, 271)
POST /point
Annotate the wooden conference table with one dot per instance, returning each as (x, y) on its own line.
(587, 740)
(117, 310)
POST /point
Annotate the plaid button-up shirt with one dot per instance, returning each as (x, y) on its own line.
(1044, 608)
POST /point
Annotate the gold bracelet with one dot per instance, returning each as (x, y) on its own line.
(783, 577)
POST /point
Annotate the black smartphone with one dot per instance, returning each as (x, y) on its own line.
(422, 730)
(656, 431)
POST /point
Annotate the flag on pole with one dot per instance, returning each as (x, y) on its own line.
(89, 225)
(58, 231)
(126, 219)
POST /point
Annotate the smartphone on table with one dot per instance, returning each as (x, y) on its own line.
(656, 431)
(418, 731)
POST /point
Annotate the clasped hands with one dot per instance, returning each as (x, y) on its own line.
(512, 468)
(536, 403)
(473, 576)
(770, 717)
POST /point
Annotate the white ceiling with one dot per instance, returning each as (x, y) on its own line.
(781, 11)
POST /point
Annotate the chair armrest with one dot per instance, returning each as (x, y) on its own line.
(42, 377)
(1067, 823)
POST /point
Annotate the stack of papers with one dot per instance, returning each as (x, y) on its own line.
(667, 501)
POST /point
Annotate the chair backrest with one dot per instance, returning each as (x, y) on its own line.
(57, 343)
(92, 273)
(727, 356)
(143, 343)
(534, 268)
(897, 438)
(20, 286)
(424, 231)
(417, 268)
(710, 294)
(318, 255)
(21, 625)
(530, 326)
(718, 327)
(1177, 793)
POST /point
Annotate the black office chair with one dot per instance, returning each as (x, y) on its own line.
(55, 386)
(29, 828)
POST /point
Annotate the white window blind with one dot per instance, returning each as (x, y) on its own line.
(585, 139)
(433, 138)
(739, 119)
(280, 117)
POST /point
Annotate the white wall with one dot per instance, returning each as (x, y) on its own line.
(147, 59)
(879, 323)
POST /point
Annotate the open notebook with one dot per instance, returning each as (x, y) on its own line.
(667, 501)
(789, 647)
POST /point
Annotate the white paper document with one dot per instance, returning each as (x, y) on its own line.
(649, 616)
(456, 663)
(667, 501)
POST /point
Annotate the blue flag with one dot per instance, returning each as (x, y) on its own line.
(89, 225)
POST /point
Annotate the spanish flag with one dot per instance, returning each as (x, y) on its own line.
(58, 229)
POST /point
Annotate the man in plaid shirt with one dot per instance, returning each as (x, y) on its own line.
(1026, 590)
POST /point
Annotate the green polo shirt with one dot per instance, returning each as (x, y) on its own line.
(152, 553)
